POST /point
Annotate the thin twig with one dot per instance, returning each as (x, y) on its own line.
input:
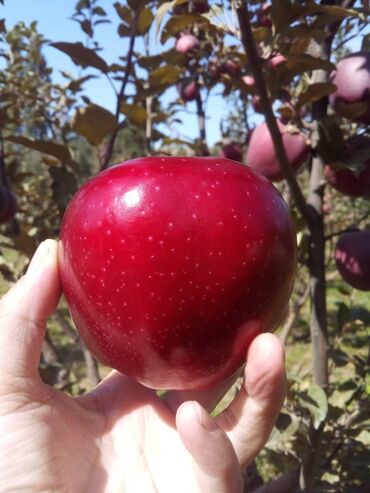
(255, 63)
(110, 146)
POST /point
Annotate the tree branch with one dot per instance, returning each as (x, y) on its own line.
(110, 145)
(202, 126)
(255, 62)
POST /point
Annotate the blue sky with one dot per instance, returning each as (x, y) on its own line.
(53, 17)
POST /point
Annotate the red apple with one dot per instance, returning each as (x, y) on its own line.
(256, 103)
(229, 67)
(277, 61)
(347, 181)
(263, 17)
(187, 43)
(201, 6)
(249, 80)
(232, 151)
(352, 78)
(8, 205)
(172, 265)
(352, 256)
(261, 154)
(188, 90)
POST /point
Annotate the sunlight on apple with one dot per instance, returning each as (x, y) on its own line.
(132, 198)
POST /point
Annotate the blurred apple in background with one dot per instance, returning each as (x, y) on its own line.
(261, 156)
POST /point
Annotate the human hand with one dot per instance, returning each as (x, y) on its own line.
(121, 436)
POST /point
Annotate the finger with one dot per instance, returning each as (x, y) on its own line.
(24, 310)
(249, 419)
(207, 398)
(215, 459)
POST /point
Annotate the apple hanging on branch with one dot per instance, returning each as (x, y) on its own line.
(352, 182)
(352, 78)
(352, 256)
(171, 266)
(261, 155)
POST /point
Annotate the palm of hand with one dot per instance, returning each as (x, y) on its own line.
(120, 437)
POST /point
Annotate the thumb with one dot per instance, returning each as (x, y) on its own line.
(24, 310)
(215, 460)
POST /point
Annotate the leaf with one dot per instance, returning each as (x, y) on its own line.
(81, 55)
(352, 111)
(164, 75)
(331, 143)
(302, 62)
(60, 151)
(76, 85)
(260, 34)
(144, 21)
(124, 12)
(87, 28)
(163, 9)
(315, 91)
(317, 404)
(178, 23)
(342, 315)
(124, 31)
(94, 123)
(333, 10)
(150, 62)
(280, 14)
(135, 113)
(64, 185)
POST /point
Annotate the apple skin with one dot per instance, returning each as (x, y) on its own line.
(229, 67)
(188, 91)
(232, 151)
(249, 80)
(347, 183)
(352, 256)
(171, 266)
(263, 17)
(187, 43)
(277, 61)
(345, 180)
(352, 78)
(201, 6)
(261, 155)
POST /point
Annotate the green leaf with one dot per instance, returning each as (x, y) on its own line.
(342, 315)
(144, 21)
(94, 123)
(64, 186)
(352, 111)
(301, 62)
(124, 31)
(60, 151)
(178, 23)
(164, 75)
(150, 62)
(163, 9)
(124, 12)
(331, 143)
(81, 55)
(315, 91)
(135, 113)
(317, 404)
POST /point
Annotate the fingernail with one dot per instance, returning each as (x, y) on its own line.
(42, 251)
(205, 421)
